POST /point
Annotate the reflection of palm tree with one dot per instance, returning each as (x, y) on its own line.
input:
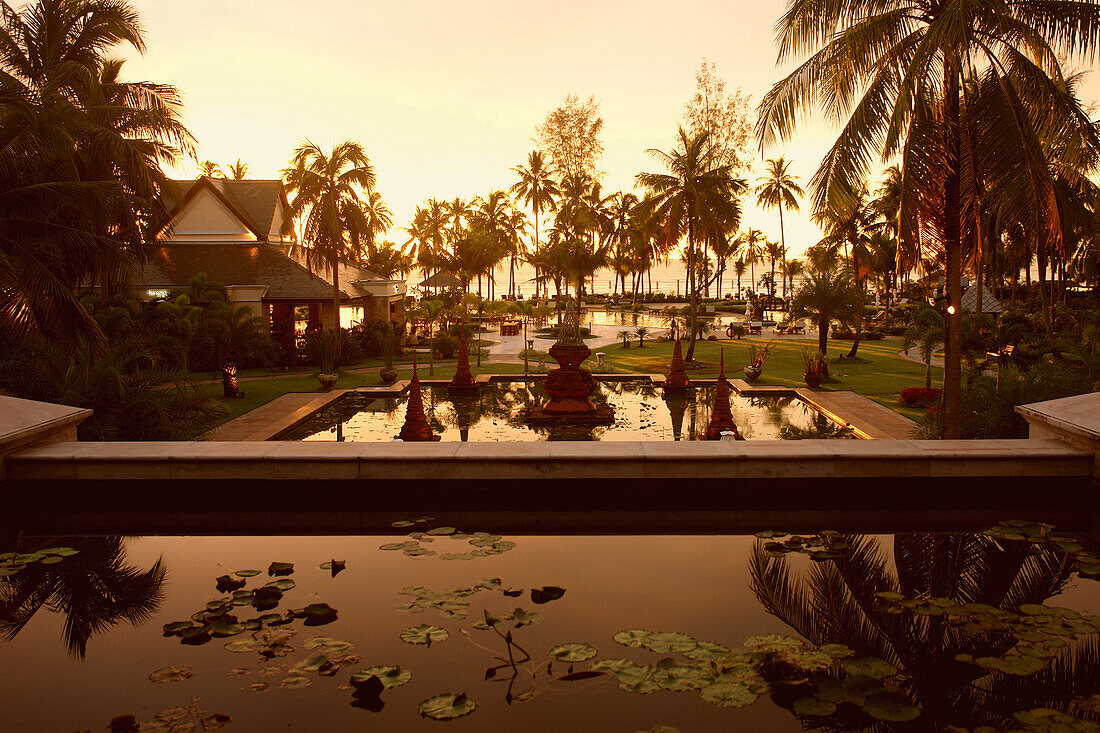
(836, 602)
(95, 589)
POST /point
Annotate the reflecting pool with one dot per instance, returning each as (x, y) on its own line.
(770, 632)
(495, 413)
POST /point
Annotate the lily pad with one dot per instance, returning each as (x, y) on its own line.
(402, 523)
(296, 681)
(165, 675)
(279, 569)
(226, 584)
(813, 706)
(546, 594)
(525, 618)
(243, 646)
(1013, 664)
(442, 531)
(281, 584)
(869, 667)
(447, 707)
(729, 694)
(424, 634)
(633, 638)
(247, 573)
(334, 566)
(892, 706)
(669, 642)
(390, 675)
(573, 652)
(319, 614)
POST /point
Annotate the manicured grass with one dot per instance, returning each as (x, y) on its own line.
(880, 379)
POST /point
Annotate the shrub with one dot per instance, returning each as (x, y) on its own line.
(919, 396)
(874, 335)
(445, 345)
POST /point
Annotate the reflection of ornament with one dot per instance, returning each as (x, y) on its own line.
(721, 417)
(464, 403)
(416, 428)
(677, 406)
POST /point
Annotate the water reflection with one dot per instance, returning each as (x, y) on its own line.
(842, 601)
(95, 589)
(496, 412)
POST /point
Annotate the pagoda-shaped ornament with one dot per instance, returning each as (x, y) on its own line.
(463, 379)
(416, 428)
(677, 379)
(570, 386)
(721, 417)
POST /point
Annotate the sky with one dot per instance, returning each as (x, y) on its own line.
(445, 96)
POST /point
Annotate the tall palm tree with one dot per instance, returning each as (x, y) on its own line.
(328, 205)
(739, 267)
(775, 252)
(537, 188)
(825, 297)
(210, 169)
(778, 188)
(694, 200)
(926, 331)
(851, 223)
(754, 252)
(900, 69)
(428, 237)
(379, 218)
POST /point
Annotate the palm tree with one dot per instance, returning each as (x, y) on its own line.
(775, 252)
(851, 223)
(825, 297)
(625, 336)
(641, 332)
(739, 268)
(328, 204)
(428, 237)
(379, 218)
(695, 200)
(238, 171)
(81, 161)
(754, 251)
(210, 169)
(537, 189)
(910, 61)
(926, 330)
(778, 188)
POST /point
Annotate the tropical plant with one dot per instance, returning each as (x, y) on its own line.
(825, 297)
(926, 330)
(814, 363)
(694, 200)
(625, 336)
(328, 205)
(537, 189)
(778, 188)
(237, 171)
(641, 332)
(903, 70)
(759, 354)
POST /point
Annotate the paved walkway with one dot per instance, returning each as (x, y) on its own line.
(865, 416)
(275, 416)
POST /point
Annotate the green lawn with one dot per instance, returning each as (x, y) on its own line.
(880, 379)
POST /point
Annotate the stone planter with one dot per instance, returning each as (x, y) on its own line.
(388, 376)
(752, 373)
(813, 381)
(328, 381)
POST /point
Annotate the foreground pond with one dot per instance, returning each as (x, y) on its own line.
(537, 633)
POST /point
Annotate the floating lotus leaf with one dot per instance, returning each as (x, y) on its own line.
(334, 566)
(869, 667)
(243, 646)
(51, 560)
(225, 626)
(281, 584)
(669, 642)
(546, 594)
(312, 663)
(773, 643)
(328, 645)
(239, 672)
(1013, 664)
(813, 706)
(195, 636)
(247, 573)
(399, 546)
(258, 686)
(729, 694)
(227, 584)
(857, 687)
(892, 706)
(573, 652)
(442, 530)
(60, 551)
(836, 651)
(458, 556)
(770, 533)
(390, 675)
(660, 729)
(319, 614)
(525, 618)
(418, 552)
(165, 675)
(706, 651)
(424, 634)
(447, 706)
(402, 523)
(634, 638)
(279, 569)
(176, 627)
(296, 681)
(636, 678)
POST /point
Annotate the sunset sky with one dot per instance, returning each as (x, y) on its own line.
(445, 96)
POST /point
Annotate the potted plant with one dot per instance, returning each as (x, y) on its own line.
(388, 375)
(816, 368)
(758, 354)
(328, 375)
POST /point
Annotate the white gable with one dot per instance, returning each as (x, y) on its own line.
(206, 219)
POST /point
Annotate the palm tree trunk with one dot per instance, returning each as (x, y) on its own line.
(823, 336)
(693, 303)
(336, 312)
(952, 375)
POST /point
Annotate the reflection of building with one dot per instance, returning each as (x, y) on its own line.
(233, 232)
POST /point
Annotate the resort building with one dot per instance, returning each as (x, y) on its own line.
(233, 231)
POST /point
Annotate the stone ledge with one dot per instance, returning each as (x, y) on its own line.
(589, 462)
(1072, 420)
(24, 423)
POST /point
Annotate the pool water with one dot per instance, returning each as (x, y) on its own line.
(496, 413)
(623, 633)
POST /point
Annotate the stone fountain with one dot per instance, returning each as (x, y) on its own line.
(569, 386)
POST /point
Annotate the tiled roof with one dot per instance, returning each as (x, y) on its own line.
(989, 303)
(254, 201)
(173, 265)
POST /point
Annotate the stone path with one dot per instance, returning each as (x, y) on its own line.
(274, 417)
(865, 416)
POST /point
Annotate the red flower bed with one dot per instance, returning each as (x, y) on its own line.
(919, 396)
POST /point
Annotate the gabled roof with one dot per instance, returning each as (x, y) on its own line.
(990, 304)
(253, 202)
(172, 264)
